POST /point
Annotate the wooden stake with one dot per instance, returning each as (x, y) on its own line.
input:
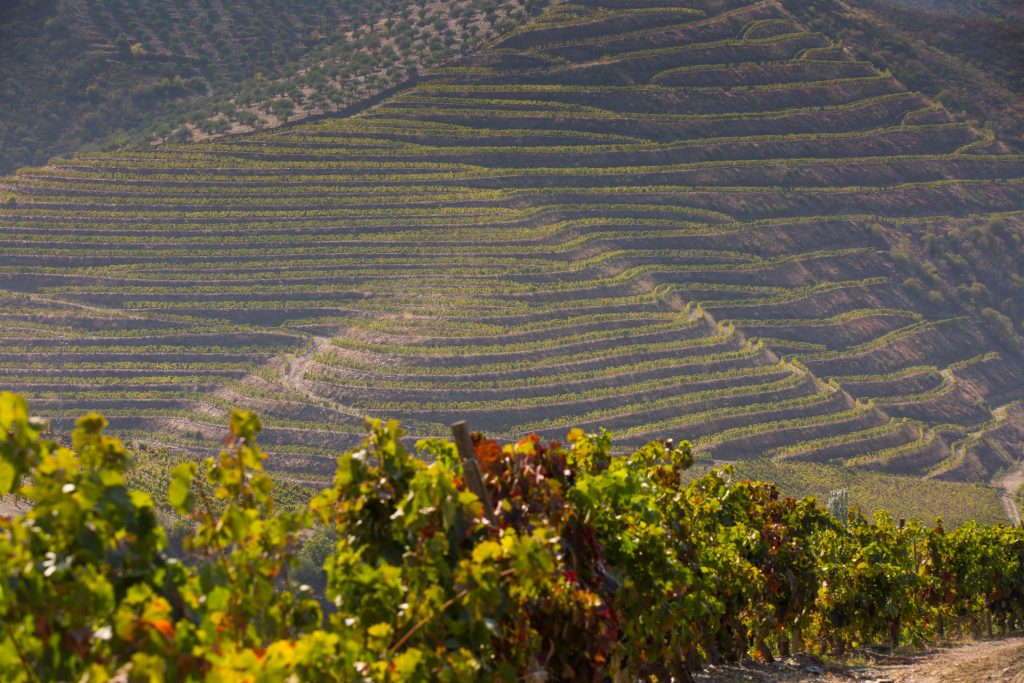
(471, 469)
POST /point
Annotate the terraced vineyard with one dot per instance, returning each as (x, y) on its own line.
(690, 218)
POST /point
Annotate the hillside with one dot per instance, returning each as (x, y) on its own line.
(1007, 10)
(698, 218)
(967, 55)
(107, 72)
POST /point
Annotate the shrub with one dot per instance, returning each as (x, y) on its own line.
(936, 298)
(914, 286)
(182, 135)
(1001, 328)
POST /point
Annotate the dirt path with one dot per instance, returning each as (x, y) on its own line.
(294, 368)
(994, 660)
(296, 364)
(1008, 486)
(998, 660)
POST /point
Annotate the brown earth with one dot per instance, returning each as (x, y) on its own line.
(1009, 485)
(994, 660)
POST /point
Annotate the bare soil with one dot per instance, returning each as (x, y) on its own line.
(12, 506)
(992, 660)
(1008, 487)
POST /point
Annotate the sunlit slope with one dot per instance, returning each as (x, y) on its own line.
(665, 218)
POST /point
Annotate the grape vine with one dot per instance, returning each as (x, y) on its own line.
(588, 565)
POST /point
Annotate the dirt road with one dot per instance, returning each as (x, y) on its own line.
(995, 660)
(998, 660)
(1008, 486)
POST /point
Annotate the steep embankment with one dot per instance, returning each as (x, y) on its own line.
(686, 218)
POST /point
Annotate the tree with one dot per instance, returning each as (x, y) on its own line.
(282, 108)
(1001, 328)
(182, 135)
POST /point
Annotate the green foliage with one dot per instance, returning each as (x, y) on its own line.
(1001, 328)
(592, 565)
(84, 580)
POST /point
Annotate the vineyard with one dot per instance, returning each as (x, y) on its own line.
(693, 217)
(527, 560)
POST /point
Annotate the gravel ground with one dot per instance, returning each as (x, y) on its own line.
(994, 660)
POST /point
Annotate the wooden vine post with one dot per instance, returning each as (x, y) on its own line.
(471, 468)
